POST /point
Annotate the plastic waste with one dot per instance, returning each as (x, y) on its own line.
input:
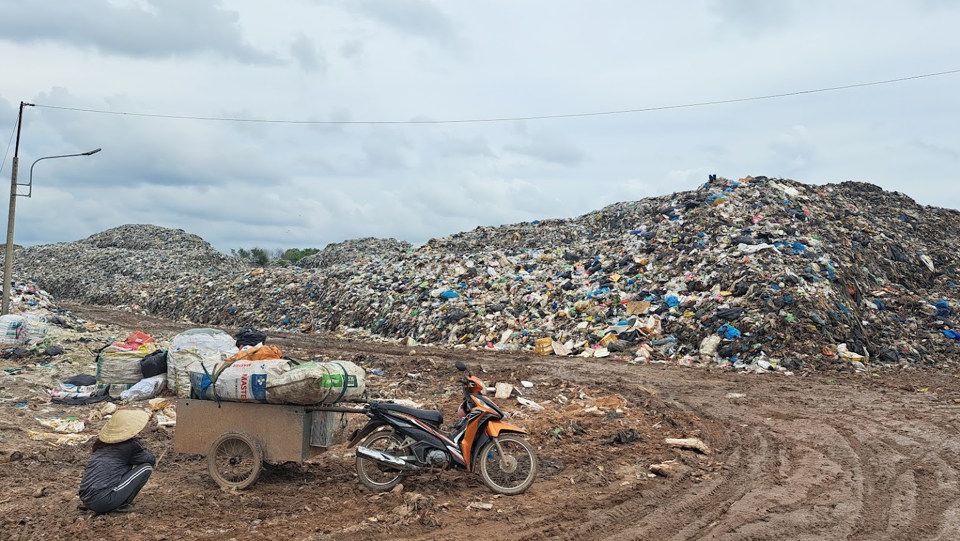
(145, 389)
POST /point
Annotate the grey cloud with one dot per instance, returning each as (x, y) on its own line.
(138, 152)
(387, 148)
(939, 151)
(451, 145)
(351, 48)
(419, 18)
(379, 149)
(307, 55)
(754, 16)
(380, 156)
(940, 4)
(158, 30)
(549, 149)
(793, 152)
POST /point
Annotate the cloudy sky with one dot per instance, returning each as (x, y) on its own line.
(305, 122)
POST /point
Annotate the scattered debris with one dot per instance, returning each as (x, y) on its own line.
(664, 469)
(625, 436)
(503, 390)
(689, 443)
(530, 404)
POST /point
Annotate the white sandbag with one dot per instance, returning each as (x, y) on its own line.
(240, 381)
(317, 383)
(195, 345)
(116, 364)
(145, 389)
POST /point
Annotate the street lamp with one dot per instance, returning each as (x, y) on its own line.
(8, 254)
(30, 183)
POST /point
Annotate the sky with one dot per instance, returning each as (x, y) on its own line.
(301, 123)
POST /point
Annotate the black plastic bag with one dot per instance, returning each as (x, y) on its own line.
(154, 364)
(250, 337)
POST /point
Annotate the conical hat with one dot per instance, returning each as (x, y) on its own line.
(124, 425)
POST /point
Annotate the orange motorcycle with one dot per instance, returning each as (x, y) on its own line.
(398, 440)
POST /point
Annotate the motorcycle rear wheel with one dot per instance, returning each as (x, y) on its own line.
(512, 473)
(374, 475)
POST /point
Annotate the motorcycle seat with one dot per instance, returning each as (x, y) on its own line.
(431, 416)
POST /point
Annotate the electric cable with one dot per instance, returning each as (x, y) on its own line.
(7, 151)
(510, 119)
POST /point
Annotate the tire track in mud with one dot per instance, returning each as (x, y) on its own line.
(806, 475)
(681, 507)
(903, 495)
(881, 477)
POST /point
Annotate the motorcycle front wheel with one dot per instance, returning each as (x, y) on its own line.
(374, 475)
(511, 472)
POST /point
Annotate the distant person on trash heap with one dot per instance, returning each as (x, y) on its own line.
(119, 465)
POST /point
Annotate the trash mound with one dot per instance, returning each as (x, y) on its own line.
(108, 265)
(150, 237)
(756, 272)
(349, 252)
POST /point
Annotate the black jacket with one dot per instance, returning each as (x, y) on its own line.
(109, 463)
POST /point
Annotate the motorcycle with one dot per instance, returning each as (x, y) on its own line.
(398, 440)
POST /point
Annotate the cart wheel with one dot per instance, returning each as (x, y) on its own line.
(235, 460)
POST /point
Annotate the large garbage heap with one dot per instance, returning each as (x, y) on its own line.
(746, 272)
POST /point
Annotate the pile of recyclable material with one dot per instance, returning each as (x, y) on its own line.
(756, 272)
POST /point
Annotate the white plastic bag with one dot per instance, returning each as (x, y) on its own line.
(145, 389)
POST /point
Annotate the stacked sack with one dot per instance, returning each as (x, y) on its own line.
(261, 374)
(133, 369)
(208, 347)
(317, 383)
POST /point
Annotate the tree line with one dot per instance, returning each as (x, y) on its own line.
(282, 258)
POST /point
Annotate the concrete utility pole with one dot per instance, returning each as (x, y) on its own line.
(8, 253)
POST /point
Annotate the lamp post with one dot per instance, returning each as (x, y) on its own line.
(8, 254)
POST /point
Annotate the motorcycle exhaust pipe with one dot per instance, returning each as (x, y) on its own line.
(384, 458)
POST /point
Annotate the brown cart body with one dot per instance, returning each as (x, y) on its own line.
(274, 433)
(282, 431)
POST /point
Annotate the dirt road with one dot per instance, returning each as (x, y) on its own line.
(839, 455)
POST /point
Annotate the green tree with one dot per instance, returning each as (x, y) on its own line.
(253, 256)
(279, 257)
(259, 257)
(294, 255)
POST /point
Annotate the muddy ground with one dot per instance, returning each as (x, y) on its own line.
(824, 455)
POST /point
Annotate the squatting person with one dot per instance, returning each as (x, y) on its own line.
(119, 465)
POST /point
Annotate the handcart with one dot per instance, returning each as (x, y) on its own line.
(238, 437)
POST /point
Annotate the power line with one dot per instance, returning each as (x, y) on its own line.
(7, 151)
(511, 119)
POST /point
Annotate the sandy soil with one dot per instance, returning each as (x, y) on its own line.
(815, 456)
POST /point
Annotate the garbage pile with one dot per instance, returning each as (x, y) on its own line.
(113, 264)
(757, 272)
(349, 252)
